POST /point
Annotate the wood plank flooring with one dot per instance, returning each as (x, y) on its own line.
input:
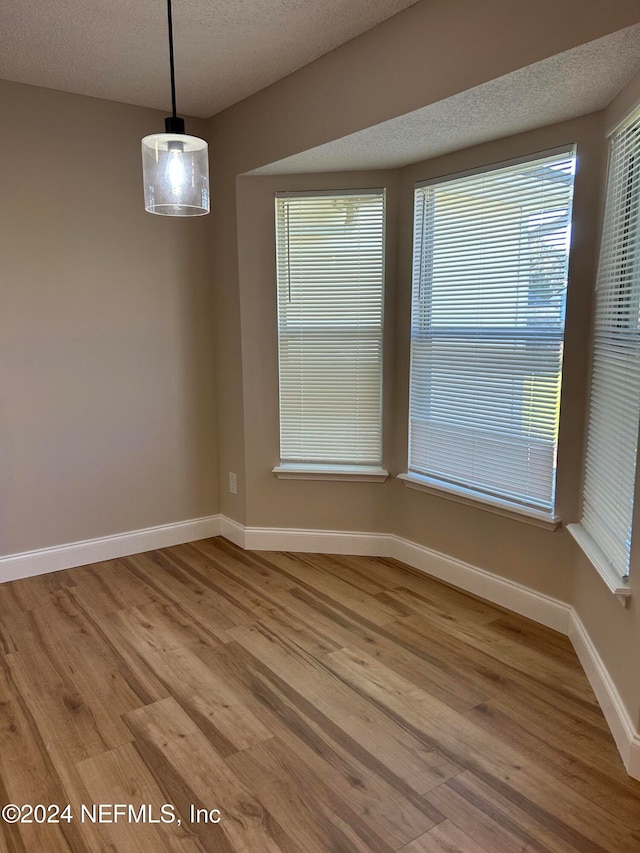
(320, 703)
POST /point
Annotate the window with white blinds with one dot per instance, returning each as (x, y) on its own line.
(614, 406)
(330, 270)
(489, 284)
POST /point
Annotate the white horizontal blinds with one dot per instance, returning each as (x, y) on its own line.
(330, 259)
(489, 285)
(614, 410)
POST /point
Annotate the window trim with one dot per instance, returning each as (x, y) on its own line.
(471, 498)
(501, 164)
(309, 471)
(593, 553)
(372, 471)
(616, 583)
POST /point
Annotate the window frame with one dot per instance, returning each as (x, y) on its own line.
(617, 584)
(459, 492)
(301, 469)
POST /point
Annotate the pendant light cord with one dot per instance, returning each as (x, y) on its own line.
(171, 62)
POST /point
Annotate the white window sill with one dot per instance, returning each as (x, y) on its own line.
(355, 473)
(600, 563)
(471, 498)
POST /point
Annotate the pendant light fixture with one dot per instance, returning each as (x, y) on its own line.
(175, 166)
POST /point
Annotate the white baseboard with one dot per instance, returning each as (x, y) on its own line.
(521, 599)
(233, 531)
(315, 541)
(516, 597)
(16, 566)
(615, 713)
(633, 767)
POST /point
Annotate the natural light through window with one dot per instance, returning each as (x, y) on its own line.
(489, 290)
(606, 527)
(330, 271)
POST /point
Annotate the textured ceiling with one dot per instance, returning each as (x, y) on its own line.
(565, 86)
(225, 49)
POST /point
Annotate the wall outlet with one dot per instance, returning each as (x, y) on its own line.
(233, 483)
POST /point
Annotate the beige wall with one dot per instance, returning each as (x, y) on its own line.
(107, 385)
(428, 52)
(512, 548)
(287, 503)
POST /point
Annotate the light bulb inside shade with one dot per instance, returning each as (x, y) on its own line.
(176, 174)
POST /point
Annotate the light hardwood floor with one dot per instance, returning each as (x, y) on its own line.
(320, 703)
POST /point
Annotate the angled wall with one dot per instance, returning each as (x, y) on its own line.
(430, 51)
